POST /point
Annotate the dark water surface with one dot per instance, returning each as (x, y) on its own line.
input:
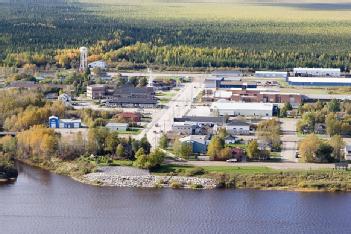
(41, 202)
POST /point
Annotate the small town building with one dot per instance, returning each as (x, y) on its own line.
(319, 81)
(227, 73)
(131, 102)
(130, 116)
(65, 98)
(96, 91)
(316, 72)
(243, 109)
(271, 74)
(199, 143)
(202, 120)
(98, 64)
(213, 82)
(230, 139)
(183, 128)
(347, 152)
(56, 122)
(117, 126)
(238, 128)
(229, 84)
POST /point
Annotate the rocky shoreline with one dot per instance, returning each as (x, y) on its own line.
(135, 178)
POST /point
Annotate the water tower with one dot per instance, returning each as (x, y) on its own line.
(83, 65)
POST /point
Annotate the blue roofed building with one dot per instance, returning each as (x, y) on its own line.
(56, 122)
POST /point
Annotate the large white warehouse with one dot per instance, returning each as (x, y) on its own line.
(242, 108)
(318, 72)
(271, 74)
(319, 81)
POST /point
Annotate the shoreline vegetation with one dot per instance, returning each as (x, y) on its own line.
(207, 177)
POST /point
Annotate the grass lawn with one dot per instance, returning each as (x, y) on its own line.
(131, 131)
(241, 146)
(185, 169)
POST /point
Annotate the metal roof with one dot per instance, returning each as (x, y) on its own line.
(242, 106)
(320, 80)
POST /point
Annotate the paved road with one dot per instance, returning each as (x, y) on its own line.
(273, 165)
(289, 140)
(177, 107)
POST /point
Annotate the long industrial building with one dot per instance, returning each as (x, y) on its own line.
(317, 72)
(271, 74)
(243, 109)
(319, 81)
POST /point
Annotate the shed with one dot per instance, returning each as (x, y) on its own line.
(117, 126)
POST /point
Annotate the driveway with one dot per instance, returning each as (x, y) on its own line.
(289, 140)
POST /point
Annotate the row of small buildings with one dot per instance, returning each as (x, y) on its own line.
(198, 131)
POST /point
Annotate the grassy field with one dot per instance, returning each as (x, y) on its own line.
(266, 178)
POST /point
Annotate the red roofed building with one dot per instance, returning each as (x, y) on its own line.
(131, 116)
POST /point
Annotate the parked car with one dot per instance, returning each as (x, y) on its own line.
(232, 160)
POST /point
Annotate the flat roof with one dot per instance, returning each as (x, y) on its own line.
(70, 120)
(326, 96)
(214, 78)
(317, 69)
(320, 80)
(237, 123)
(204, 119)
(271, 72)
(117, 125)
(279, 93)
(242, 106)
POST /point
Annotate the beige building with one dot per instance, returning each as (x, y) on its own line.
(96, 91)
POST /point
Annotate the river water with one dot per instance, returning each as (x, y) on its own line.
(42, 202)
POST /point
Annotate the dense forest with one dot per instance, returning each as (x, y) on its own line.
(41, 27)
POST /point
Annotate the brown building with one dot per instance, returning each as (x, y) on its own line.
(131, 116)
(266, 97)
(96, 91)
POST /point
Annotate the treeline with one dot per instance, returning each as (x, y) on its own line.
(334, 118)
(40, 28)
(185, 56)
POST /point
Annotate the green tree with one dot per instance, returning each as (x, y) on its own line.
(334, 105)
(215, 146)
(268, 131)
(333, 125)
(8, 145)
(324, 152)
(144, 143)
(112, 141)
(163, 141)
(225, 154)
(253, 150)
(283, 111)
(338, 145)
(142, 82)
(308, 148)
(186, 150)
(120, 151)
(141, 159)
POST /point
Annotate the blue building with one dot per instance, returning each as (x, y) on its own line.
(56, 122)
(319, 81)
(199, 143)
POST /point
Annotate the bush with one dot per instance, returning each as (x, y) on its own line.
(196, 186)
(195, 171)
(176, 185)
